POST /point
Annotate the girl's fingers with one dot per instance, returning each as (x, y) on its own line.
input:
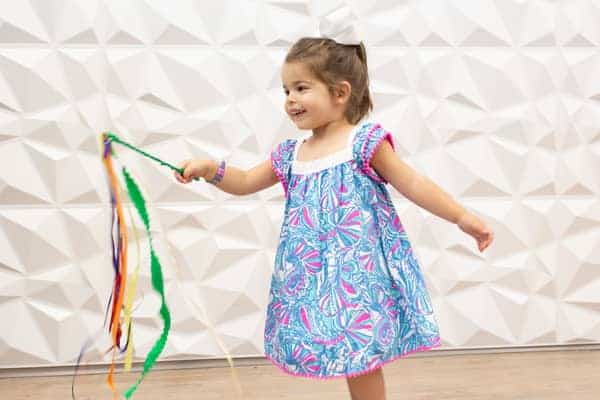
(486, 242)
(179, 176)
(479, 230)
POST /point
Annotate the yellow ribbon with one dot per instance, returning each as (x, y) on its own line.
(129, 298)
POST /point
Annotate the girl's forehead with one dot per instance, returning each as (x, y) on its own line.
(295, 71)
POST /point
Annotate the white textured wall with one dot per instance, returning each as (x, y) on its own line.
(497, 101)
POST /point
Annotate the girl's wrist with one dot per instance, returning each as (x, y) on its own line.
(216, 171)
(211, 170)
(460, 216)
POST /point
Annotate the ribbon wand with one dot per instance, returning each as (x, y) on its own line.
(111, 137)
(119, 250)
(119, 261)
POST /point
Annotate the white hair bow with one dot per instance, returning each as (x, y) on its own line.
(340, 25)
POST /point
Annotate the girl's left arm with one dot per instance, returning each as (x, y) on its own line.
(416, 187)
(422, 191)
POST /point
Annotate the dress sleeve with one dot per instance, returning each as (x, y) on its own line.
(279, 162)
(371, 142)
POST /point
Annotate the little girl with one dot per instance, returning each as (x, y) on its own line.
(347, 293)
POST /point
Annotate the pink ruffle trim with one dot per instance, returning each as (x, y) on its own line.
(279, 173)
(367, 169)
(437, 343)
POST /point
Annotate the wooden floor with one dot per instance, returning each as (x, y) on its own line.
(539, 375)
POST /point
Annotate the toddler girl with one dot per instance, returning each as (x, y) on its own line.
(347, 293)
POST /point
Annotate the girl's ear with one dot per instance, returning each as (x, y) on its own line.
(342, 91)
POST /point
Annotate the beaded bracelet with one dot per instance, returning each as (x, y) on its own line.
(219, 175)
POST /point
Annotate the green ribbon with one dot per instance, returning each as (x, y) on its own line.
(157, 280)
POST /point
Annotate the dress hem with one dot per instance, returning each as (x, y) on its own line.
(419, 349)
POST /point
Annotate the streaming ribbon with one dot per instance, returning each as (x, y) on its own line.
(118, 300)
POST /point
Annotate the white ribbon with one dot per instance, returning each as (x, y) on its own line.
(341, 26)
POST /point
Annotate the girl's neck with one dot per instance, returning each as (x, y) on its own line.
(331, 129)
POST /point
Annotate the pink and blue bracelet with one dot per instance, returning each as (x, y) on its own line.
(219, 175)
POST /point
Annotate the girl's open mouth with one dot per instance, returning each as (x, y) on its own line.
(299, 114)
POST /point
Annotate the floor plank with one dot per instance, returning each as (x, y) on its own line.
(539, 375)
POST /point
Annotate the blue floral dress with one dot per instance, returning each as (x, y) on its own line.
(347, 293)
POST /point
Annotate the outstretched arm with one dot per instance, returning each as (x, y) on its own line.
(425, 193)
(416, 187)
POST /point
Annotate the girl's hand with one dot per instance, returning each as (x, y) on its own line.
(474, 226)
(191, 170)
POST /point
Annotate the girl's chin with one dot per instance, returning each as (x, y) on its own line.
(300, 122)
(303, 126)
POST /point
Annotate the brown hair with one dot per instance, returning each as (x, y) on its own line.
(331, 62)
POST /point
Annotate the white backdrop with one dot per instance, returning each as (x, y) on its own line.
(496, 101)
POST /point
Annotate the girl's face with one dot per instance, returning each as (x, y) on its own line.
(308, 101)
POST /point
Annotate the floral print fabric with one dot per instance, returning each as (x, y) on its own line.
(347, 293)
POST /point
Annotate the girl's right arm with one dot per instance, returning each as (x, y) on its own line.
(235, 180)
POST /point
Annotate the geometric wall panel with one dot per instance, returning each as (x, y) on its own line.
(497, 102)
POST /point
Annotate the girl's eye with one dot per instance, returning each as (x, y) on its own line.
(299, 89)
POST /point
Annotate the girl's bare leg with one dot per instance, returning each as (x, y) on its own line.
(370, 386)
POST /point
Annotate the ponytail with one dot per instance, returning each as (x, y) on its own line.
(362, 52)
(365, 103)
